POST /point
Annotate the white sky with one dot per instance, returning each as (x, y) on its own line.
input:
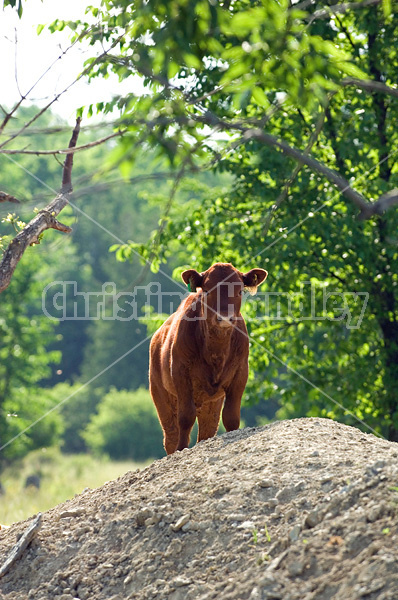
(31, 56)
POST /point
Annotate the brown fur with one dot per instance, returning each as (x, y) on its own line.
(199, 356)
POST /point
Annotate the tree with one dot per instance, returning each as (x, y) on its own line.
(305, 101)
(31, 233)
(25, 334)
(126, 426)
(205, 63)
(299, 104)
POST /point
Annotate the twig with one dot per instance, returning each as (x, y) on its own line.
(21, 545)
(57, 96)
(324, 13)
(68, 164)
(23, 97)
(370, 86)
(4, 197)
(65, 150)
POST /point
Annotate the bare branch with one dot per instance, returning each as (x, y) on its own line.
(382, 204)
(68, 164)
(324, 13)
(4, 197)
(23, 97)
(21, 544)
(67, 151)
(367, 209)
(57, 96)
(45, 219)
(370, 86)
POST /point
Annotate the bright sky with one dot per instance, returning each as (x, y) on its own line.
(26, 60)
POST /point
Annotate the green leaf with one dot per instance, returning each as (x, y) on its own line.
(260, 97)
(245, 22)
(192, 61)
(236, 70)
(386, 4)
(172, 69)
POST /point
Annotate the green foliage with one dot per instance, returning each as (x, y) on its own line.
(246, 64)
(213, 70)
(25, 334)
(17, 4)
(244, 54)
(29, 406)
(126, 426)
(73, 407)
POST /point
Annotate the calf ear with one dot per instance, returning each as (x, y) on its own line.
(192, 279)
(252, 279)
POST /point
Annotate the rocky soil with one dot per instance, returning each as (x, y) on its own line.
(303, 509)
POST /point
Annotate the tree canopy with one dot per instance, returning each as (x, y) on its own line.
(293, 107)
(298, 103)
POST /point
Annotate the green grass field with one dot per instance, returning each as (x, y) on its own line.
(61, 477)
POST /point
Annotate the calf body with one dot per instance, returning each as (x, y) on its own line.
(199, 356)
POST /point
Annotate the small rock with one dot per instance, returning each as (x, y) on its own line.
(294, 533)
(312, 519)
(246, 525)
(144, 514)
(186, 527)
(237, 517)
(265, 483)
(255, 594)
(174, 548)
(295, 567)
(290, 514)
(180, 523)
(272, 502)
(375, 513)
(181, 581)
(73, 512)
(152, 520)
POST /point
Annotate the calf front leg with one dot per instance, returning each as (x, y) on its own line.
(186, 419)
(233, 399)
(209, 419)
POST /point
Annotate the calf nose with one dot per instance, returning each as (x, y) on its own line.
(227, 320)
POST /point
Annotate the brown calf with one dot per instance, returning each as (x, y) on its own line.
(199, 356)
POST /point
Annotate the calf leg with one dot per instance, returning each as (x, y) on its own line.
(186, 419)
(166, 406)
(209, 419)
(233, 399)
(231, 414)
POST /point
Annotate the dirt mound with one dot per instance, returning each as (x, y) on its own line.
(303, 509)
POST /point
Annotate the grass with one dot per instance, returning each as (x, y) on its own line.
(61, 477)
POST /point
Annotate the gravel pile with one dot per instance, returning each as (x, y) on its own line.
(296, 510)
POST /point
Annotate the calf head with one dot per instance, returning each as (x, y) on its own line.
(222, 286)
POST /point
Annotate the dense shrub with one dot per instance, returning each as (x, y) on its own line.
(126, 426)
